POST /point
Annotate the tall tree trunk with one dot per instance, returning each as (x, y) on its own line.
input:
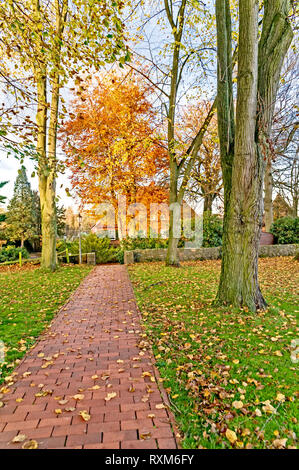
(177, 168)
(268, 202)
(226, 125)
(295, 206)
(239, 282)
(275, 41)
(172, 258)
(48, 211)
(47, 160)
(48, 187)
(48, 260)
(41, 120)
(208, 202)
(243, 169)
(295, 185)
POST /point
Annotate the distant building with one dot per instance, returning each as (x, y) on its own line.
(155, 223)
(281, 208)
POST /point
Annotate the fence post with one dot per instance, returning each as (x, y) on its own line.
(20, 258)
(90, 258)
(67, 255)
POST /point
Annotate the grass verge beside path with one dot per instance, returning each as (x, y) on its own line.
(228, 372)
(29, 299)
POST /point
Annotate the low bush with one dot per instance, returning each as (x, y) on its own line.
(11, 253)
(286, 230)
(105, 253)
(139, 243)
(212, 230)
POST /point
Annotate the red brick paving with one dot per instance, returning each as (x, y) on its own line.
(96, 333)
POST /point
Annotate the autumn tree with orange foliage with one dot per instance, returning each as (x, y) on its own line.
(112, 144)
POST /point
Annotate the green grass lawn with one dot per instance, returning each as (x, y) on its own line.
(228, 373)
(29, 298)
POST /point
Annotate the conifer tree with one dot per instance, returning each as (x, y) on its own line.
(20, 214)
(2, 198)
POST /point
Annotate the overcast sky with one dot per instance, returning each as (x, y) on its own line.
(8, 172)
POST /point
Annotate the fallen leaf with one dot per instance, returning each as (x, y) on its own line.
(47, 364)
(30, 445)
(105, 376)
(85, 415)
(268, 408)
(231, 436)
(280, 397)
(78, 397)
(145, 435)
(160, 406)
(110, 396)
(280, 443)
(146, 374)
(19, 438)
(238, 404)
(63, 402)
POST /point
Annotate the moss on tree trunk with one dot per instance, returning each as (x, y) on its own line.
(268, 201)
(242, 152)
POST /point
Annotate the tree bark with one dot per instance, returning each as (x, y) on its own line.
(295, 206)
(268, 202)
(239, 281)
(226, 125)
(41, 120)
(47, 153)
(172, 257)
(172, 253)
(275, 41)
(208, 202)
(243, 169)
(48, 187)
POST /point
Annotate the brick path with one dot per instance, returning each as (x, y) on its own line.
(96, 334)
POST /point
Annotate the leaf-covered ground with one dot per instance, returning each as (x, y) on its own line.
(228, 373)
(29, 298)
